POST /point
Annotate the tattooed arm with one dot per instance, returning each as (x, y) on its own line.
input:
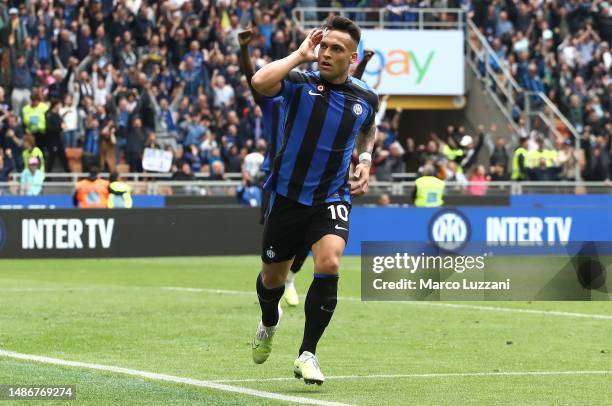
(365, 144)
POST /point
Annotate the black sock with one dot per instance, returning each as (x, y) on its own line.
(268, 301)
(319, 308)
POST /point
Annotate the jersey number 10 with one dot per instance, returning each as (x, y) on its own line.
(338, 211)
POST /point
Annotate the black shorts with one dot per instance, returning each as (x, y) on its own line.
(265, 203)
(291, 227)
(300, 258)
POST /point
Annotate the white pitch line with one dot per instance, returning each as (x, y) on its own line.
(415, 303)
(221, 291)
(182, 289)
(518, 310)
(431, 375)
(42, 289)
(496, 309)
(169, 378)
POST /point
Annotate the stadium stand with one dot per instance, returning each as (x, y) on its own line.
(125, 76)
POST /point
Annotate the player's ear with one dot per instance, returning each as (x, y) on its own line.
(354, 57)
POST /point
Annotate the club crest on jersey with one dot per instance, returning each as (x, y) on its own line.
(320, 88)
(357, 109)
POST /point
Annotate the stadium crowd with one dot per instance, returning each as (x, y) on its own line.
(560, 48)
(111, 78)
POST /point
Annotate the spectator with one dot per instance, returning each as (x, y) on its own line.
(32, 179)
(184, 173)
(217, 170)
(223, 93)
(34, 118)
(383, 200)
(21, 81)
(432, 154)
(499, 155)
(108, 139)
(470, 151)
(248, 194)
(7, 164)
(192, 155)
(454, 173)
(194, 130)
(101, 85)
(598, 161)
(4, 106)
(393, 163)
(572, 105)
(208, 144)
(122, 115)
(11, 138)
(542, 163)
(251, 170)
(533, 83)
(69, 115)
(279, 47)
(55, 144)
(504, 26)
(478, 182)
(151, 141)
(135, 146)
(91, 145)
(233, 160)
(567, 161)
(498, 173)
(398, 11)
(31, 150)
(166, 116)
(192, 78)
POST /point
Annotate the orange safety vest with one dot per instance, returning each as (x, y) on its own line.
(92, 194)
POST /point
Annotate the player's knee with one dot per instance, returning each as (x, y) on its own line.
(271, 280)
(328, 265)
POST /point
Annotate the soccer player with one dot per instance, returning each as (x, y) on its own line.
(325, 114)
(272, 109)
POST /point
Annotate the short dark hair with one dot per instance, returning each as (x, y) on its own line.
(344, 24)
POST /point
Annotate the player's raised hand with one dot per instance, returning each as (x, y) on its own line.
(368, 54)
(359, 184)
(307, 48)
(245, 37)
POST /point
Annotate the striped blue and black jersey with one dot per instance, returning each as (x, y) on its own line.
(321, 121)
(272, 110)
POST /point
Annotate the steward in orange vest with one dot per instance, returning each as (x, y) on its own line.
(91, 192)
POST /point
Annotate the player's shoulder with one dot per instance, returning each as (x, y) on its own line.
(360, 83)
(300, 77)
(269, 100)
(363, 90)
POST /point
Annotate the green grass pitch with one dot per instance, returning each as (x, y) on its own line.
(121, 313)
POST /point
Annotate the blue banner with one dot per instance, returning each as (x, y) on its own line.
(603, 200)
(65, 202)
(495, 225)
